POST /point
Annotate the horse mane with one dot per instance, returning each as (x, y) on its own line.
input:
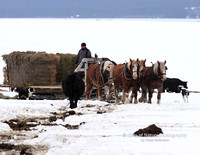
(155, 68)
(106, 63)
(107, 59)
(129, 65)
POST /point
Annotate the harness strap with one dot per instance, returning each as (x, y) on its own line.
(127, 75)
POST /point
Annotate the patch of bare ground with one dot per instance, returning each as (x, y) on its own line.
(12, 149)
(25, 128)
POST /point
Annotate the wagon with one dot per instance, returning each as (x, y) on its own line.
(41, 71)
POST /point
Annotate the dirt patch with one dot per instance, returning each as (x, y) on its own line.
(150, 131)
(73, 127)
(29, 123)
(24, 128)
(17, 124)
(21, 149)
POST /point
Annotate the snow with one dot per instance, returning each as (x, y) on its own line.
(112, 131)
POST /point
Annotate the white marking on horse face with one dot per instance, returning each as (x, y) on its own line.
(134, 70)
(163, 71)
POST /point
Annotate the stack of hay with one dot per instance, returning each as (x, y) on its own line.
(65, 66)
(35, 69)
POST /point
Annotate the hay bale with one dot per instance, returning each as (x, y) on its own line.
(31, 68)
(5, 81)
(65, 66)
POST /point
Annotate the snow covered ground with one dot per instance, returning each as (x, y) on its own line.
(102, 128)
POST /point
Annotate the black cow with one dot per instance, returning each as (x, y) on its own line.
(73, 87)
(172, 84)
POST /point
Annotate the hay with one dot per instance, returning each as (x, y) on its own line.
(31, 68)
(25, 69)
(65, 66)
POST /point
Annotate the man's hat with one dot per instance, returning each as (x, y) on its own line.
(83, 44)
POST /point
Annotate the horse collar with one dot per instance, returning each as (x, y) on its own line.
(102, 72)
(127, 75)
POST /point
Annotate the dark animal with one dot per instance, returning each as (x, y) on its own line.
(125, 76)
(152, 78)
(172, 84)
(73, 87)
(185, 93)
(97, 77)
(23, 93)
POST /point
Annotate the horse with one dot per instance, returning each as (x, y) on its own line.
(73, 87)
(125, 76)
(98, 76)
(141, 65)
(152, 78)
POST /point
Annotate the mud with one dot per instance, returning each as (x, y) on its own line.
(21, 149)
(150, 131)
(25, 128)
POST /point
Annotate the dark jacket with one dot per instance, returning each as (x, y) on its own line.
(83, 53)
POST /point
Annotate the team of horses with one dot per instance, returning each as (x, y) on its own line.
(127, 77)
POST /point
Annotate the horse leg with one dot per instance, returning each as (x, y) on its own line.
(88, 91)
(134, 94)
(99, 93)
(108, 96)
(150, 95)
(159, 96)
(123, 96)
(143, 97)
(126, 95)
(116, 94)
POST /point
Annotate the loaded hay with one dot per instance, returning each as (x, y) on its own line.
(25, 69)
(30, 68)
(65, 66)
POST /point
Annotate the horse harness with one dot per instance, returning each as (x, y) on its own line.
(103, 76)
(128, 76)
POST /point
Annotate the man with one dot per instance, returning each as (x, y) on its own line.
(84, 52)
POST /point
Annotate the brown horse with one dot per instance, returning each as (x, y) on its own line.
(125, 76)
(98, 76)
(141, 65)
(152, 78)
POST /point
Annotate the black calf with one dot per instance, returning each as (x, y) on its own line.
(73, 87)
(172, 84)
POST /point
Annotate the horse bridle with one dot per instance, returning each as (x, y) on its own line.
(130, 77)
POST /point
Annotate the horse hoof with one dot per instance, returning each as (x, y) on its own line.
(140, 100)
